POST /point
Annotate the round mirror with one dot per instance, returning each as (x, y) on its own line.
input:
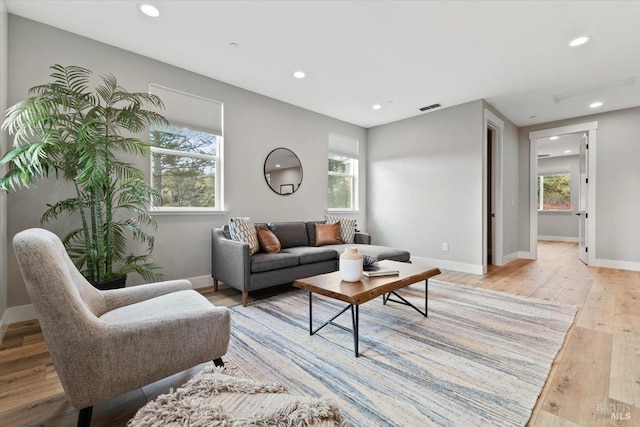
(283, 171)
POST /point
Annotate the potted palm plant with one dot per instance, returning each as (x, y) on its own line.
(67, 130)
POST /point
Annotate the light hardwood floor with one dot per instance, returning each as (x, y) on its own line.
(596, 371)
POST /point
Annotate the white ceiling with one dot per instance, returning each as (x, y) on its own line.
(548, 147)
(401, 54)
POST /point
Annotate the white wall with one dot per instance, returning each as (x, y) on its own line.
(617, 185)
(4, 244)
(562, 225)
(425, 184)
(254, 125)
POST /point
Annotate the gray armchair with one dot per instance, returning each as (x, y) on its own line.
(104, 343)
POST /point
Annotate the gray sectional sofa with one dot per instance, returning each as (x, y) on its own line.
(298, 257)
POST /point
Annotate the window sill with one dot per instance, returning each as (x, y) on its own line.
(187, 212)
(342, 211)
(570, 212)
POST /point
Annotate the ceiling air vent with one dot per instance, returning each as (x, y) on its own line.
(430, 107)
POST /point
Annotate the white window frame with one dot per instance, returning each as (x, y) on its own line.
(218, 160)
(350, 153)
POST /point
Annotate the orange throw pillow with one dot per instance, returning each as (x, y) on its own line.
(328, 234)
(269, 243)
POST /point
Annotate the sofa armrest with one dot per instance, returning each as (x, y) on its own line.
(362, 238)
(230, 261)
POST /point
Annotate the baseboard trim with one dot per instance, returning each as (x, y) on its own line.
(508, 258)
(559, 239)
(17, 314)
(448, 265)
(613, 263)
(525, 255)
(201, 281)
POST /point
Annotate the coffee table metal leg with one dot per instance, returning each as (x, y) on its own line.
(426, 298)
(387, 297)
(310, 313)
(356, 321)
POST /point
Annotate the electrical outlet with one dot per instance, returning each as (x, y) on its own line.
(445, 247)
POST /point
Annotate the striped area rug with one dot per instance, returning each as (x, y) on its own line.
(480, 359)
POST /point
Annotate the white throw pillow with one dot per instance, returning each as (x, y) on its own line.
(347, 227)
(243, 230)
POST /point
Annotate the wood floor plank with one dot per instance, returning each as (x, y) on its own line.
(582, 379)
(624, 385)
(24, 357)
(599, 308)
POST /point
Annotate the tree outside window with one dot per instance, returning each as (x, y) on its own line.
(554, 192)
(184, 166)
(341, 182)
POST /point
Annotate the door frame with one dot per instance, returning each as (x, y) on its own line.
(591, 129)
(493, 122)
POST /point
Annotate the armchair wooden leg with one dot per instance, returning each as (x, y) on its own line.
(245, 298)
(215, 285)
(84, 417)
(218, 362)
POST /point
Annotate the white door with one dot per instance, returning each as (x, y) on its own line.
(582, 213)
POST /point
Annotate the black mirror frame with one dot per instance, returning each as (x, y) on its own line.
(264, 172)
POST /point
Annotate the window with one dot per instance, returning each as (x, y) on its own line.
(343, 173)
(554, 192)
(186, 156)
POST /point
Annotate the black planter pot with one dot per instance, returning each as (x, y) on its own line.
(117, 283)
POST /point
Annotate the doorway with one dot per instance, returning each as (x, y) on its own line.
(492, 188)
(587, 188)
(490, 208)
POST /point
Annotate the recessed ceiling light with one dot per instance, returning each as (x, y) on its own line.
(567, 151)
(553, 138)
(149, 10)
(578, 41)
(595, 104)
(277, 166)
(299, 74)
(376, 106)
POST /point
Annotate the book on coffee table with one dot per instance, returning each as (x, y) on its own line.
(380, 272)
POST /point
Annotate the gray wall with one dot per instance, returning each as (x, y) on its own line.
(254, 125)
(425, 184)
(561, 224)
(3, 149)
(617, 183)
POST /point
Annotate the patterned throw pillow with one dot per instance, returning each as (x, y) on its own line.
(347, 227)
(243, 230)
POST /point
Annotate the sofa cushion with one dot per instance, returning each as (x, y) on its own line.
(327, 234)
(347, 227)
(269, 243)
(243, 230)
(290, 234)
(311, 254)
(378, 252)
(267, 262)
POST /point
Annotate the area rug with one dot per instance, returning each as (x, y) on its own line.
(481, 358)
(220, 398)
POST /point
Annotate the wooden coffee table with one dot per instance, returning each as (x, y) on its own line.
(356, 293)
